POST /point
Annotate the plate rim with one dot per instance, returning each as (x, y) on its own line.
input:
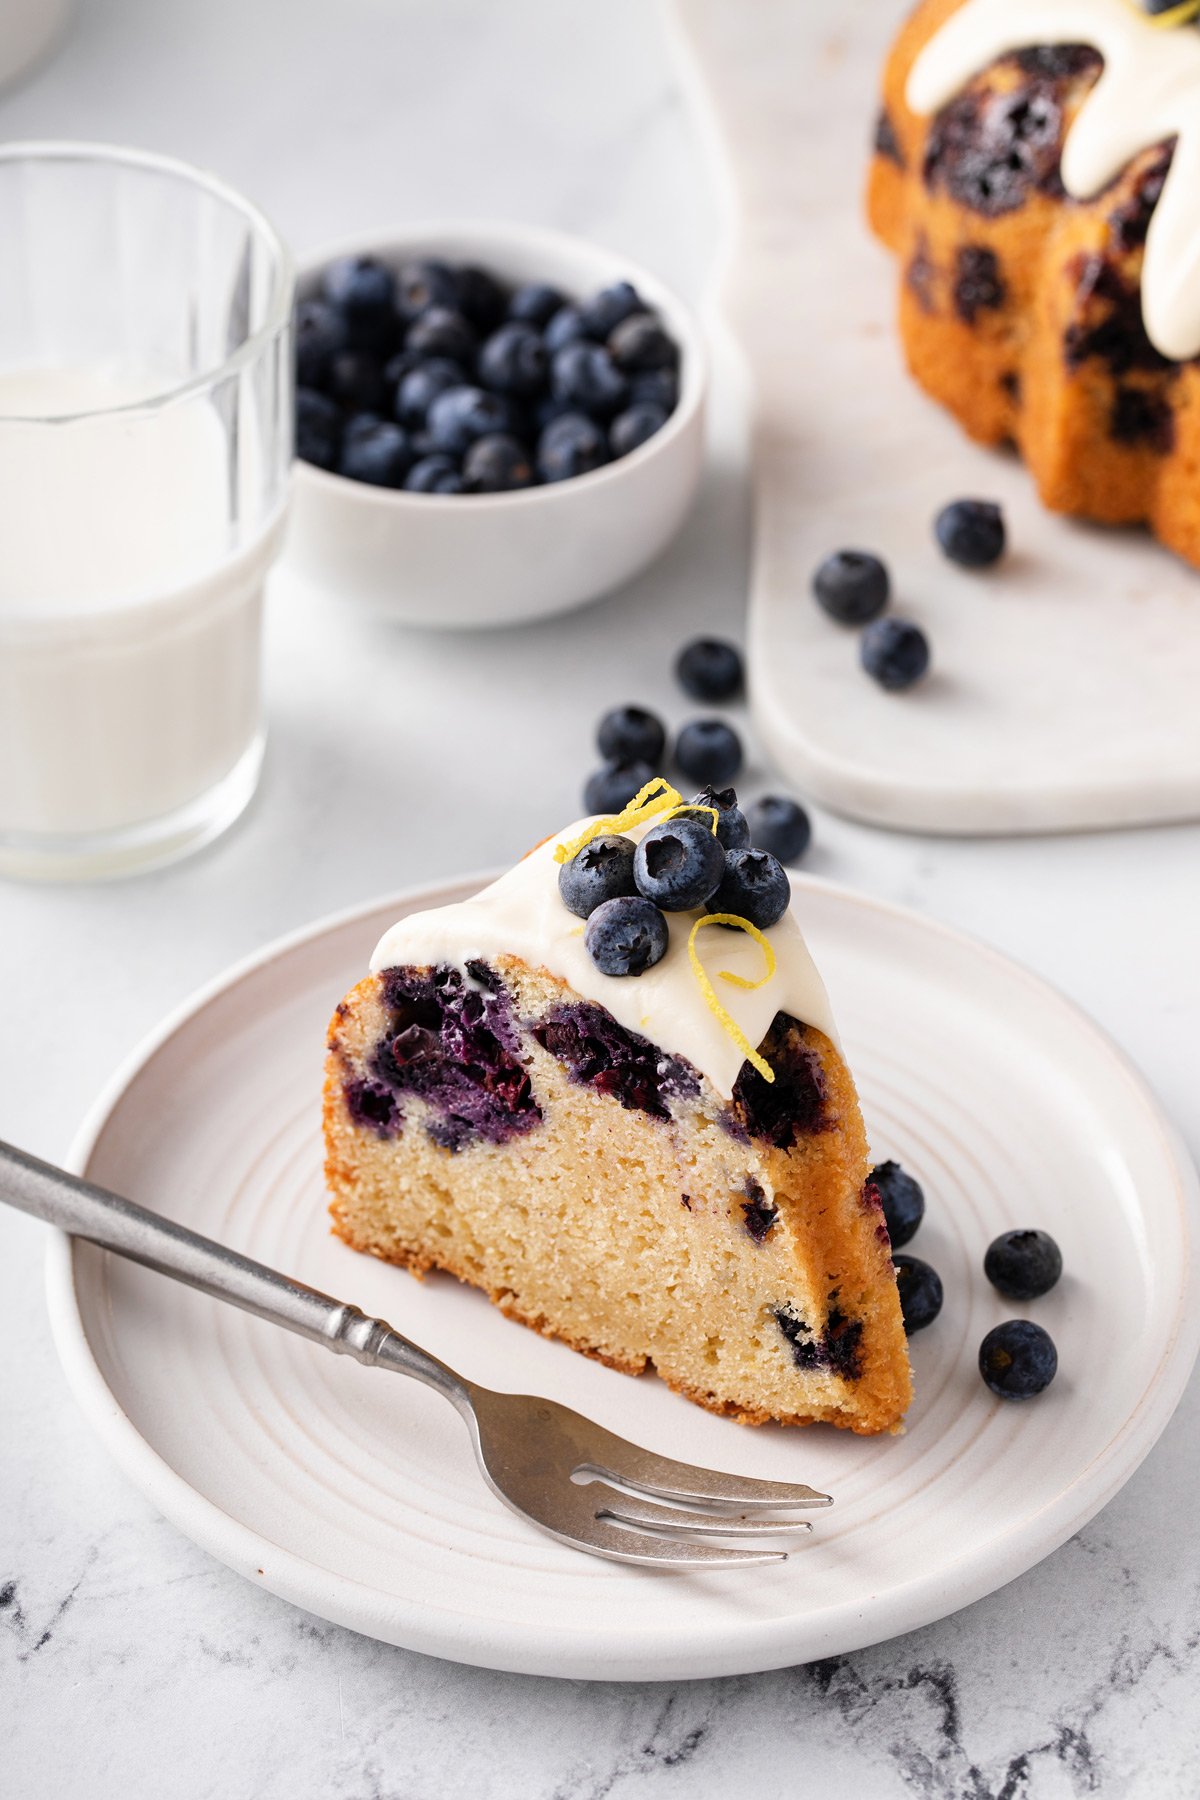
(740, 1646)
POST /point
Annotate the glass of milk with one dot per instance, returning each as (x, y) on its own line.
(145, 438)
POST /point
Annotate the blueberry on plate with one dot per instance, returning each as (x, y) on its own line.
(535, 303)
(481, 299)
(779, 825)
(604, 311)
(610, 789)
(441, 332)
(626, 936)
(754, 886)
(458, 416)
(355, 381)
(566, 327)
(639, 342)
(1023, 1265)
(514, 360)
(381, 454)
(631, 734)
(364, 291)
(679, 863)
(436, 474)
(920, 1292)
(570, 445)
(709, 750)
(496, 464)
(586, 375)
(733, 833)
(418, 388)
(602, 870)
(424, 282)
(1017, 1359)
(895, 653)
(319, 333)
(631, 428)
(657, 387)
(318, 428)
(710, 669)
(852, 586)
(902, 1199)
(971, 532)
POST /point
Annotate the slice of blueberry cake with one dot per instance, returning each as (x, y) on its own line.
(608, 1092)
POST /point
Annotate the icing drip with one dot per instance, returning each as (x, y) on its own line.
(1149, 92)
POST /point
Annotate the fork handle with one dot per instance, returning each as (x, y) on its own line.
(133, 1231)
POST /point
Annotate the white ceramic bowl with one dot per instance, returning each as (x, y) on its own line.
(495, 559)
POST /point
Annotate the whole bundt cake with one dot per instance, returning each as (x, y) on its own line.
(664, 1166)
(1037, 173)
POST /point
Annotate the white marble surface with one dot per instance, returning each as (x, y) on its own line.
(130, 1664)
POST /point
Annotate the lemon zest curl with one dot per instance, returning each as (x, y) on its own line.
(706, 987)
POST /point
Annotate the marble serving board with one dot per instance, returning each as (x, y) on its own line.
(1063, 689)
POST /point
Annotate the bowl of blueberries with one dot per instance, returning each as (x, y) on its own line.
(493, 423)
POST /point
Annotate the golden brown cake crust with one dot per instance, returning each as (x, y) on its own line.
(1026, 323)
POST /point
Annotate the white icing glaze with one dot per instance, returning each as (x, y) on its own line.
(521, 915)
(1149, 91)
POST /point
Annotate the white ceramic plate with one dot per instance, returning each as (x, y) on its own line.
(354, 1494)
(1063, 687)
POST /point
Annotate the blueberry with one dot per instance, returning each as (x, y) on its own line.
(710, 669)
(355, 381)
(626, 936)
(602, 314)
(514, 360)
(570, 445)
(566, 327)
(902, 1199)
(631, 428)
(709, 750)
(894, 653)
(631, 734)
(754, 886)
(437, 474)
(319, 334)
(381, 454)
(425, 282)
(779, 825)
(441, 332)
(852, 586)
(611, 788)
(1017, 1359)
(546, 409)
(481, 299)
(639, 343)
(971, 532)
(679, 863)
(920, 1292)
(419, 388)
(318, 428)
(602, 870)
(656, 387)
(1023, 1265)
(733, 833)
(496, 464)
(586, 375)
(364, 291)
(459, 415)
(535, 304)
(402, 363)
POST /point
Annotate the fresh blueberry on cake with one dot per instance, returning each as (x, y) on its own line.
(627, 1119)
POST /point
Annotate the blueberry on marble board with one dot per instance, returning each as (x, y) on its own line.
(902, 1199)
(514, 360)
(626, 936)
(319, 333)
(920, 1289)
(1023, 1265)
(380, 453)
(709, 750)
(852, 586)
(496, 464)
(419, 387)
(318, 428)
(435, 474)
(586, 375)
(1018, 1359)
(679, 863)
(631, 428)
(754, 886)
(610, 789)
(570, 445)
(733, 833)
(458, 416)
(710, 669)
(535, 303)
(631, 734)
(602, 314)
(439, 331)
(780, 825)
(971, 533)
(602, 870)
(895, 653)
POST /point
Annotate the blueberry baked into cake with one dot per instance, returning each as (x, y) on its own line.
(1037, 173)
(607, 1091)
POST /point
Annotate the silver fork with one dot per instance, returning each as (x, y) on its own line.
(562, 1472)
